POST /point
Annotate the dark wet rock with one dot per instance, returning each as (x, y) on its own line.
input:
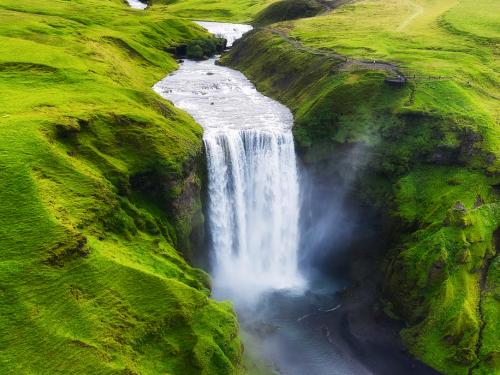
(181, 50)
(180, 198)
(445, 155)
(456, 215)
(458, 206)
(468, 144)
(490, 158)
(437, 273)
(479, 201)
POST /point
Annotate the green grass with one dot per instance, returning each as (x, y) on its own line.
(443, 263)
(451, 39)
(429, 148)
(284, 10)
(95, 175)
(241, 11)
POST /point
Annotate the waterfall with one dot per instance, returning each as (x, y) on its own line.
(253, 190)
(253, 207)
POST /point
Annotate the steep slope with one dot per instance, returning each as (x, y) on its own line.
(428, 151)
(99, 185)
(241, 11)
(285, 10)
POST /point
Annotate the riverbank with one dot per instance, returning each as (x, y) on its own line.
(427, 162)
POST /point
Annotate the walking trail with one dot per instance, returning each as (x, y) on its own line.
(347, 62)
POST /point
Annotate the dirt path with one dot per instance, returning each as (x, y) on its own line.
(346, 63)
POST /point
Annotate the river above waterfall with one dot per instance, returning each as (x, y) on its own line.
(229, 31)
(136, 4)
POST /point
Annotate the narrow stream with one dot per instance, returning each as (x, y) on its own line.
(253, 215)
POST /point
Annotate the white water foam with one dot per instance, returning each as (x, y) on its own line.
(136, 4)
(231, 32)
(253, 207)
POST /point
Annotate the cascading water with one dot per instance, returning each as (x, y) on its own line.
(253, 217)
(252, 176)
(253, 208)
(230, 32)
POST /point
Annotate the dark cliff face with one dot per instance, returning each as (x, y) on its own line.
(427, 174)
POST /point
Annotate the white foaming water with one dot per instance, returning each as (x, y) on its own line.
(136, 4)
(230, 31)
(252, 176)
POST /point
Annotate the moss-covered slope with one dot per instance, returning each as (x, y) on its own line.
(99, 185)
(215, 10)
(430, 155)
(286, 10)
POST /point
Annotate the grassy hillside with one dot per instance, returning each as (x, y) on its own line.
(242, 11)
(430, 148)
(99, 185)
(285, 10)
(451, 41)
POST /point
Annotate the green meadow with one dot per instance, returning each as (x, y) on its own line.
(240, 11)
(95, 175)
(450, 47)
